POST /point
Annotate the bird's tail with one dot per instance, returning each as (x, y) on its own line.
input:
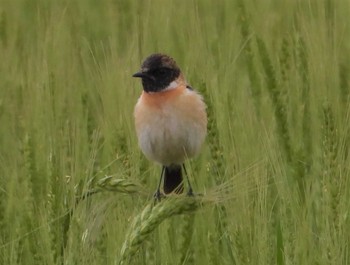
(173, 179)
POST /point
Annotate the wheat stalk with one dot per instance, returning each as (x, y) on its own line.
(111, 183)
(150, 218)
(186, 237)
(255, 84)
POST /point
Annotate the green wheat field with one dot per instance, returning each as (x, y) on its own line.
(272, 180)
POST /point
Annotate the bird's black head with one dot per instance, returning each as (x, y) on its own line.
(157, 72)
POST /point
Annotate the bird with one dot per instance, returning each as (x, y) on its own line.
(170, 121)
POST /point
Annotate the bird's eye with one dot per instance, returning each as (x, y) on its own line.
(160, 71)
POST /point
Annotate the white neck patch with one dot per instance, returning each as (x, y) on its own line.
(171, 86)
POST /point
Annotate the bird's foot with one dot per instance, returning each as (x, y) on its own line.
(190, 193)
(158, 196)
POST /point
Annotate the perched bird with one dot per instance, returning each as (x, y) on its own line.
(170, 120)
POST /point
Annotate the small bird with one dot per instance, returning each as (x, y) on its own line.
(170, 120)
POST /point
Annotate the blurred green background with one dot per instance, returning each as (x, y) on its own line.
(275, 166)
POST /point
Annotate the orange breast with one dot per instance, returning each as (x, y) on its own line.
(171, 125)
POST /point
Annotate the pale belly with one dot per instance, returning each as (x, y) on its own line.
(170, 141)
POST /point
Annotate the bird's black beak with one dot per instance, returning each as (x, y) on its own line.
(140, 74)
(144, 75)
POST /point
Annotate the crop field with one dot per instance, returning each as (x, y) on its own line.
(272, 180)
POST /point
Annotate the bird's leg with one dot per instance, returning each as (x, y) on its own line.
(190, 190)
(158, 195)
